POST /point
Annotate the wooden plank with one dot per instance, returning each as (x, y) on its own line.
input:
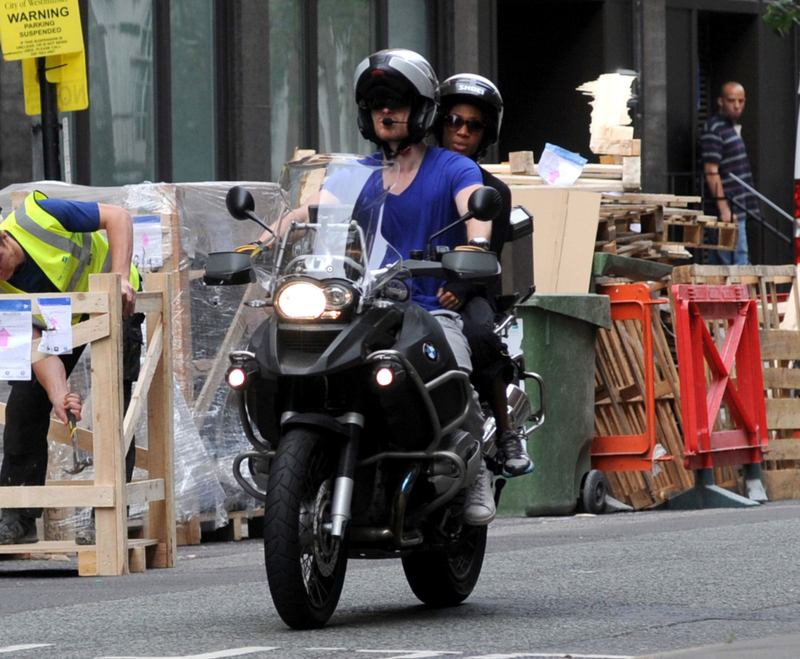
(160, 430)
(85, 332)
(781, 378)
(81, 302)
(783, 449)
(109, 460)
(155, 346)
(782, 484)
(521, 162)
(67, 496)
(145, 491)
(783, 413)
(215, 376)
(779, 344)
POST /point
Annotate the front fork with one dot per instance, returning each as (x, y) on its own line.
(345, 481)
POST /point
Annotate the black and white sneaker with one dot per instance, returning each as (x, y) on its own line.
(516, 461)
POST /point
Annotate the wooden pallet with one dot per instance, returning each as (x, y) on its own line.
(191, 532)
(620, 409)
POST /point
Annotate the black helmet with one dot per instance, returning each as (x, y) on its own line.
(401, 74)
(474, 90)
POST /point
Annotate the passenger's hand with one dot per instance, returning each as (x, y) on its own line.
(128, 299)
(448, 300)
(727, 216)
(71, 402)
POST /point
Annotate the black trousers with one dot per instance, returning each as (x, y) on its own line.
(490, 359)
(28, 418)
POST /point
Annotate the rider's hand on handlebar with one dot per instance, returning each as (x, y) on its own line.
(448, 300)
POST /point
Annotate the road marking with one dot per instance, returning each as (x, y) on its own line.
(221, 654)
(546, 655)
(412, 654)
(17, 648)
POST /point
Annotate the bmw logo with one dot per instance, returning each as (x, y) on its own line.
(430, 351)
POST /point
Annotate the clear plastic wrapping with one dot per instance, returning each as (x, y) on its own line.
(207, 322)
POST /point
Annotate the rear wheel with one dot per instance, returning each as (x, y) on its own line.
(446, 578)
(305, 565)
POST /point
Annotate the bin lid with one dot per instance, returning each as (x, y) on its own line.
(614, 265)
(590, 308)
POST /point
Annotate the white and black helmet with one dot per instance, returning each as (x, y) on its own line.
(474, 90)
(401, 74)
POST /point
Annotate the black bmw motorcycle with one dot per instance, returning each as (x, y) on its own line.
(352, 399)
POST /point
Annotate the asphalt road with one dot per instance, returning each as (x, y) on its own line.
(623, 585)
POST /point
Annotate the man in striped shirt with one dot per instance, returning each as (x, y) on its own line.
(723, 153)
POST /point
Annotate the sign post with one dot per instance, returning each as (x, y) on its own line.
(49, 40)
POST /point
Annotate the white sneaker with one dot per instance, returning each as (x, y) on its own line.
(479, 508)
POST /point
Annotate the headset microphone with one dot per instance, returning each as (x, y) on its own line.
(388, 121)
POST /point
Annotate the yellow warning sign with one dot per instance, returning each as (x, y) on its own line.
(68, 72)
(38, 28)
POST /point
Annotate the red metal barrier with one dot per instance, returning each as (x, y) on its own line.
(632, 452)
(700, 403)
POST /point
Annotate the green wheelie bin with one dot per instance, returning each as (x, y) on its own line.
(558, 343)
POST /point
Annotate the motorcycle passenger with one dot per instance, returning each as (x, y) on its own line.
(468, 122)
(395, 91)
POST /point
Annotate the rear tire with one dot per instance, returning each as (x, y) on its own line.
(305, 565)
(446, 578)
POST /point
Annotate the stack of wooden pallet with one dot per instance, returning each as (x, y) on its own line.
(658, 226)
(620, 408)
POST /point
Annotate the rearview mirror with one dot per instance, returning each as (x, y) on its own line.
(240, 203)
(485, 203)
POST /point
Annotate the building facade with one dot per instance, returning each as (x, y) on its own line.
(227, 89)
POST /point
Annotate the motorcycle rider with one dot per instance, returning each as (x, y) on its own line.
(395, 91)
(468, 122)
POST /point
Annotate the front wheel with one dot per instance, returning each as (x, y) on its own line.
(446, 578)
(305, 565)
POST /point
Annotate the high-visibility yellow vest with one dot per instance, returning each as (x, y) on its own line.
(66, 258)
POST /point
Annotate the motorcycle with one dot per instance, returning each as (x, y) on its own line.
(352, 399)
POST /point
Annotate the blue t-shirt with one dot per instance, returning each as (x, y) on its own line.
(75, 216)
(425, 207)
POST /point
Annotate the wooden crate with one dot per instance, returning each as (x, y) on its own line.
(113, 553)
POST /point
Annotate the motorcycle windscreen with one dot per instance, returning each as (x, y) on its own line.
(344, 239)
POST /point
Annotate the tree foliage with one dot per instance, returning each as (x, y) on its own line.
(781, 15)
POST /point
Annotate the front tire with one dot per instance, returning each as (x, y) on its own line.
(305, 565)
(446, 578)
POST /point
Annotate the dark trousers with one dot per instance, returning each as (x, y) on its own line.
(28, 418)
(490, 359)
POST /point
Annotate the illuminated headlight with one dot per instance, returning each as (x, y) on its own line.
(301, 300)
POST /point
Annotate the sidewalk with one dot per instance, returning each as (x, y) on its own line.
(779, 647)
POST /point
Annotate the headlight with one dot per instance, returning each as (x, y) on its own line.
(301, 300)
(305, 300)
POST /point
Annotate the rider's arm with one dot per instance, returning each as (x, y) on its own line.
(475, 228)
(300, 214)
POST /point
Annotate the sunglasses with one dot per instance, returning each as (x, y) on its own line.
(455, 122)
(390, 103)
